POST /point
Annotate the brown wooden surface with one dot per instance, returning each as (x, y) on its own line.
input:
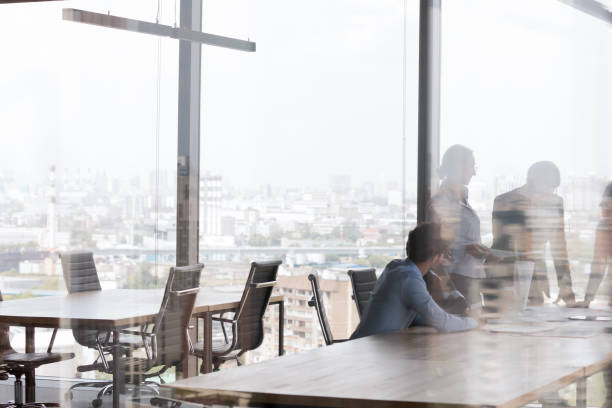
(418, 369)
(105, 308)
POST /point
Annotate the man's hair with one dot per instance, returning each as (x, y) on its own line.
(544, 173)
(425, 242)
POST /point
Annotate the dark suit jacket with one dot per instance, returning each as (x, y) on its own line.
(524, 222)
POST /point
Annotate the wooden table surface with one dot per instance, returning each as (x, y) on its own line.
(105, 308)
(476, 368)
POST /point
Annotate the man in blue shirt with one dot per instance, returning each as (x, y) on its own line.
(400, 298)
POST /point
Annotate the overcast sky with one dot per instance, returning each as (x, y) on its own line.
(522, 80)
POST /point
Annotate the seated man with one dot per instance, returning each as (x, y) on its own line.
(400, 298)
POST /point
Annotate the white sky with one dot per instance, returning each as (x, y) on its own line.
(523, 80)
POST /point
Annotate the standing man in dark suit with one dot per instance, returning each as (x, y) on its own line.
(525, 220)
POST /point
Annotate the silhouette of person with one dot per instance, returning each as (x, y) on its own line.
(460, 225)
(526, 219)
(602, 255)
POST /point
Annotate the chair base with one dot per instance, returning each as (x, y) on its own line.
(18, 403)
(92, 384)
(108, 390)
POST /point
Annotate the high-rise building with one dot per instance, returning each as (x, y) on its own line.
(52, 212)
(211, 193)
(341, 184)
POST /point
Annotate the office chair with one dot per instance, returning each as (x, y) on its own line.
(165, 344)
(317, 303)
(25, 364)
(363, 281)
(80, 275)
(247, 322)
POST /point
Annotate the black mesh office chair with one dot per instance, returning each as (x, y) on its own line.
(363, 281)
(317, 303)
(184, 277)
(179, 278)
(165, 346)
(25, 364)
(80, 275)
(247, 323)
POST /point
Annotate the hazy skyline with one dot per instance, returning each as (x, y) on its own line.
(521, 81)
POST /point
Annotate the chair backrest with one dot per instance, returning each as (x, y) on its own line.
(171, 326)
(184, 277)
(363, 281)
(80, 275)
(80, 272)
(253, 304)
(317, 303)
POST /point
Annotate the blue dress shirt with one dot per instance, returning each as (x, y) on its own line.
(400, 299)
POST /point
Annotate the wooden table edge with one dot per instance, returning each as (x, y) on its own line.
(212, 395)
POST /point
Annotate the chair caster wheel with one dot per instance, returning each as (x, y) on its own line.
(97, 403)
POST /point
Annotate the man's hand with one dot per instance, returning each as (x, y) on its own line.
(582, 304)
(568, 297)
(478, 251)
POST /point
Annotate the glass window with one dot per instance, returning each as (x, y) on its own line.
(88, 157)
(304, 140)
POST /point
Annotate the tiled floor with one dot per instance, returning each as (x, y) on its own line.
(54, 390)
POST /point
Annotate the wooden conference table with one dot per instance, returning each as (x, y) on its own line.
(113, 310)
(511, 367)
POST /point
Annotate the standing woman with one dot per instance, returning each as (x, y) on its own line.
(460, 224)
(602, 256)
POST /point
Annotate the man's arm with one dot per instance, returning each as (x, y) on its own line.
(497, 224)
(416, 297)
(599, 264)
(558, 246)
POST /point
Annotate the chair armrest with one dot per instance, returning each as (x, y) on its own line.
(224, 320)
(262, 284)
(137, 333)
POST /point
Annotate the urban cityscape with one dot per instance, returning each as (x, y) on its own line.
(130, 225)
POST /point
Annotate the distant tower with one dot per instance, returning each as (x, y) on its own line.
(210, 205)
(52, 212)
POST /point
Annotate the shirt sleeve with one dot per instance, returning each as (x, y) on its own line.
(600, 261)
(416, 297)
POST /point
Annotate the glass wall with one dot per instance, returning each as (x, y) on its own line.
(88, 153)
(308, 152)
(302, 150)
(526, 86)
(535, 88)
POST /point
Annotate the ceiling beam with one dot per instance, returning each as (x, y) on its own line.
(145, 27)
(592, 8)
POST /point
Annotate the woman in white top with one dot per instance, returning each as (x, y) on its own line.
(460, 223)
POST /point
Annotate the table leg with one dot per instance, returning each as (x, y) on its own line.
(30, 382)
(118, 372)
(30, 388)
(189, 365)
(206, 366)
(29, 346)
(281, 327)
(581, 393)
